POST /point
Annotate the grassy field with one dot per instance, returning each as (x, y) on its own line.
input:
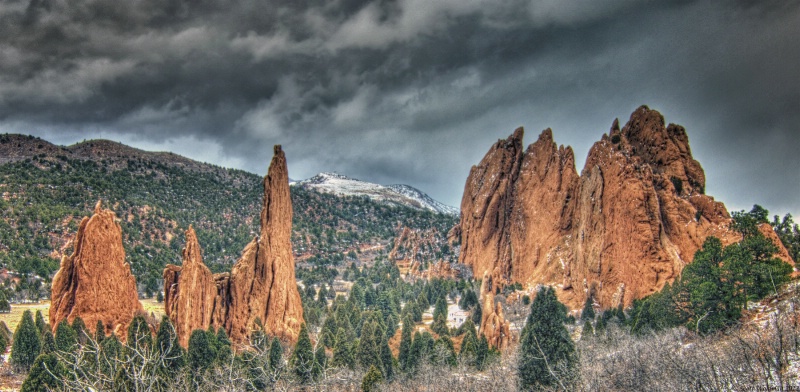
(12, 319)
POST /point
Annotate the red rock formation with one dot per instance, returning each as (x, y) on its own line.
(493, 322)
(625, 227)
(193, 306)
(95, 283)
(261, 286)
(486, 208)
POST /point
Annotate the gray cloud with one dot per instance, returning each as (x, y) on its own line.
(409, 91)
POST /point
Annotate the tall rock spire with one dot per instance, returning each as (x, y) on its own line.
(95, 283)
(261, 289)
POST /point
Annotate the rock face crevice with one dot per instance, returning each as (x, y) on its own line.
(623, 228)
(261, 289)
(95, 283)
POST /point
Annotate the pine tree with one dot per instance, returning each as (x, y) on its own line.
(275, 355)
(168, 348)
(80, 330)
(440, 310)
(99, 332)
(444, 353)
(27, 344)
(224, 350)
(342, 351)
(440, 326)
(547, 353)
(139, 334)
(482, 353)
(41, 325)
(3, 343)
(111, 350)
(422, 301)
(405, 344)
(477, 314)
(588, 309)
(201, 352)
(48, 342)
(66, 338)
(329, 331)
(367, 351)
(372, 379)
(40, 377)
(320, 362)
(387, 361)
(302, 360)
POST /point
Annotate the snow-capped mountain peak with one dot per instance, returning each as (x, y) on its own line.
(399, 194)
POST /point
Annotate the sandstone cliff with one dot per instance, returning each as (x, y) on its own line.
(493, 322)
(260, 289)
(623, 228)
(95, 283)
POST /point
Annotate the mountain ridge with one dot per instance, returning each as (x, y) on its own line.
(399, 194)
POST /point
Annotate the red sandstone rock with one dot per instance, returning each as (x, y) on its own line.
(493, 322)
(623, 228)
(95, 283)
(191, 292)
(261, 286)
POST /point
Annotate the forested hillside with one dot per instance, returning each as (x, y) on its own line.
(46, 190)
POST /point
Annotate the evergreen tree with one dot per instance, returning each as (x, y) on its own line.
(3, 343)
(440, 326)
(482, 353)
(405, 344)
(320, 362)
(111, 350)
(588, 330)
(342, 351)
(41, 325)
(41, 376)
(302, 360)
(201, 353)
(422, 302)
(440, 310)
(224, 350)
(444, 352)
(168, 348)
(5, 306)
(275, 355)
(477, 314)
(367, 351)
(66, 339)
(469, 347)
(139, 334)
(27, 344)
(547, 353)
(328, 332)
(371, 380)
(322, 296)
(387, 361)
(48, 342)
(99, 332)
(588, 309)
(80, 330)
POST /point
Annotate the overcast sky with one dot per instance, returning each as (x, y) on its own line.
(410, 91)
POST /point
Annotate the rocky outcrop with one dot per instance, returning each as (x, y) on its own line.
(95, 283)
(493, 322)
(261, 289)
(193, 306)
(622, 229)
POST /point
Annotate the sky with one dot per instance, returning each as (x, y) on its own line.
(410, 91)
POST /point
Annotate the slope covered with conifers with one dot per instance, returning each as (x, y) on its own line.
(45, 190)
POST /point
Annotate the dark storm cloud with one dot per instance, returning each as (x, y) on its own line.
(411, 91)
